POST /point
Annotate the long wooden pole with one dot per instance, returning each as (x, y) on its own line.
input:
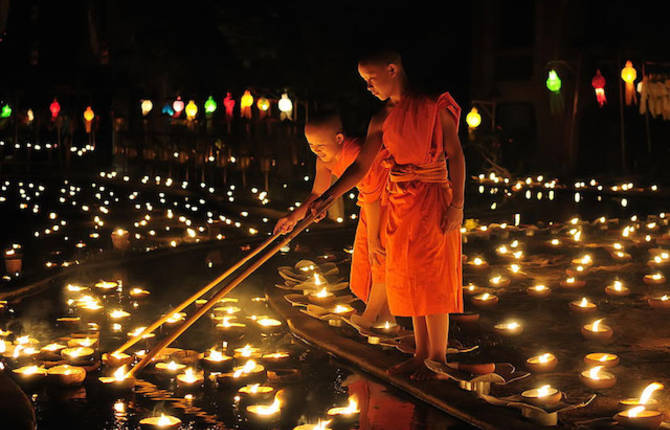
(198, 294)
(218, 296)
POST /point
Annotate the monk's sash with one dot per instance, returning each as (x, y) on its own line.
(434, 172)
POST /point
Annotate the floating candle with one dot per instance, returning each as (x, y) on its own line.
(268, 324)
(119, 380)
(471, 289)
(387, 327)
(584, 260)
(572, 282)
(478, 263)
(162, 422)
(116, 359)
(601, 359)
(342, 310)
(484, 300)
(542, 363)
(171, 368)
(321, 297)
(30, 374)
(617, 289)
(266, 412)
(256, 391)
(215, 360)
(499, 281)
(511, 328)
(138, 293)
(662, 302)
(106, 285)
(546, 396)
(639, 417)
(597, 379)
(583, 305)
(190, 379)
(66, 375)
(78, 355)
(350, 410)
(597, 331)
(655, 278)
(275, 358)
(117, 314)
(247, 351)
(538, 291)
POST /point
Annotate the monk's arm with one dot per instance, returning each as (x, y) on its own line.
(357, 170)
(373, 214)
(452, 147)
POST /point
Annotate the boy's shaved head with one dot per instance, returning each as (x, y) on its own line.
(327, 120)
(325, 135)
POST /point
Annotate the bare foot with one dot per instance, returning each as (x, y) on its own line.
(407, 366)
(361, 321)
(423, 374)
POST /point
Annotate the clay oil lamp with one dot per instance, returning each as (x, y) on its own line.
(597, 379)
(268, 325)
(262, 414)
(617, 289)
(140, 331)
(597, 331)
(119, 381)
(275, 359)
(75, 288)
(585, 260)
(250, 372)
(162, 422)
(554, 243)
(51, 352)
(247, 352)
(106, 286)
(583, 306)
(572, 282)
(321, 425)
(603, 359)
(89, 305)
(542, 363)
(29, 376)
(578, 270)
(256, 392)
(644, 399)
(88, 342)
(478, 263)
(499, 281)
(190, 379)
(657, 261)
(66, 375)
(231, 328)
(655, 278)
(387, 328)
(621, 256)
(639, 417)
(171, 368)
(138, 293)
(342, 310)
(484, 300)
(662, 302)
(345, 414)
(322, 297)
(538, 290)
(471, 289)
(120, 239)
(78, 355)
(515, 270)
(511, 328)
(227, 310)
(215, 361)
(116, 359)
(13, 261)
(545, 396)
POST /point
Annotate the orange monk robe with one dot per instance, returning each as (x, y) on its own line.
(423, 270)
(370, 189)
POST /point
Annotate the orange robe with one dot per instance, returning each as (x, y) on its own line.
(370, 189)
(424, 273)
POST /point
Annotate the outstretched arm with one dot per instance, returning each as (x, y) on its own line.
(452, 146)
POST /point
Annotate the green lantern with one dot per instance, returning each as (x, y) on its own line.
(553, 81)
(210, 105)
(6, 111)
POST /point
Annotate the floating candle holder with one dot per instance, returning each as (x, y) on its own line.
(471, 289)
(171, 368)
(256, 392)
(661, 302)
(120, 239)
(639, 417)
(86, 341)
(321, 425)
(499, 281)
(162, 422)
(617, 289)
(345, 414)
(51, 352)
(542, 363)
(601, 359)
(138, 293)
(250, 372)
(343, 310)
(538, 291)
(30, 375)
(66, 375)
(511, 328)
(387, 328)
(247, 352)
(583, 305)
(190, 379)
(118, 314)
(644, 399)
(321, 297)
(78, 355)
(586, 260)
(216, 361)
(262, 413)
(478, 263)
(106, 285)
(116, 359)
(269, 325)
(545, 396)
(656, 278)
(572, 282)
(484, 300)
(275, 359)
(119, 381)
(231, 328)
(597, 331)
(597, 379)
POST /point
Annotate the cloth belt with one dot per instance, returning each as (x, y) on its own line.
(434, 172)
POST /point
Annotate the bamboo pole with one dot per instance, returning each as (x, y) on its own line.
(218, 296)
(197, 295)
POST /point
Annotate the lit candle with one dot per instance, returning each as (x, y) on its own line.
(256, 392)
(348, 412)
(572, 282)
(471, 289)
(138, 293)
(342, 310)
(601, 359)
(118, 314)
(171, 368)
(247, 351)
(190, 379)
(597, 379)
(617, 289)
(499, 281)
(264, 413)
(583, 305)
(78, 355)
(30, 374)
(584, 260)
(478, 263)
(162, 422)
(175, 318)
(542, 363)
(66, 375)
(322, 297)
(511, 328)
(484, 300)
(120, 380)
(538, 291)
(321, 425)
(106, 285)
(51, 352)
(116, 359)
(597, 331)
(269, 324)
(387, 327)
(89, 342)
(644, 399)
(231, 328)
(639, 417)
(655, 278)
(216, 361)
(662, 302)
(545, 396)
(275, 358)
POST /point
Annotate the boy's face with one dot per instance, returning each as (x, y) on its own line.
(324, 143)
(379, 79)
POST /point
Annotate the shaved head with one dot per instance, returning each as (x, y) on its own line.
(325, 135)
(383, 73)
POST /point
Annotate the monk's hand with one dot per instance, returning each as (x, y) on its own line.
(452, 219)
(376, 251)
(285, 225)
(319, 207)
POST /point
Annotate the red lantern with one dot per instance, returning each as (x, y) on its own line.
(598, 83)
(54, 107)
(229, 104)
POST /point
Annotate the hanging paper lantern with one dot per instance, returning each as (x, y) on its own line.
(553, 81)
(210, 105)
(88, 118)
(263, 106)
(6, 111)
(246, 102)
(285, 107)
(629, 74)
(191, 110)
(167, 110)
(178, 107)
(54, 107)
(229, 105)
(30, 116)
(146, 106)
(598, 83)
(473, 118)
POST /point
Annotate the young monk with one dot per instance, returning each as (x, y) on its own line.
(425, 204)
(335, 152)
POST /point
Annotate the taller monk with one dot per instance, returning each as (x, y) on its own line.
(424, 203)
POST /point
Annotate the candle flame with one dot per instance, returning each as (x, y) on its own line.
(596, 325)
(539, 287)
(646, 394)
(322, 425)
(172, 365)
(604, 358)
(477, 261)
(215, 355)
(322, 293)
(543, 391)
(317, 280)
(584, 303)
(618, 286)
(254, 388)
(634, 412)
(594, 372)
(269, 410)
(544, 358)
(163, 421)
(339, 309)
(120, 373)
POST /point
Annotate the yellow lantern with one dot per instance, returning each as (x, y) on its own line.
(246, 102)
(263, 105)
(473, 118)
(88, 114)
(629, 74)
(146, 106)
(191, 110)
